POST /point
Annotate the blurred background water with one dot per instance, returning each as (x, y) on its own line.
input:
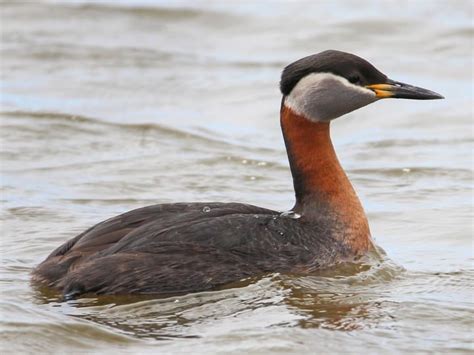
(111, 105)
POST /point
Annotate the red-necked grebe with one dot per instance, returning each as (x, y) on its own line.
(187, 247)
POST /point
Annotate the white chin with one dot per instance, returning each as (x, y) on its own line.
(322, 97)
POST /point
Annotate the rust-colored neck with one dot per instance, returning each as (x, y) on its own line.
(322, 189)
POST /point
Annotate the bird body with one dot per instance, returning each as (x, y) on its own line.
(188, 247)
(176, 248)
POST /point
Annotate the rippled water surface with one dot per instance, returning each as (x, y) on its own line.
(112, 105)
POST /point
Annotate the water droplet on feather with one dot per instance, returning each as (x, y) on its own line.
(290, 214)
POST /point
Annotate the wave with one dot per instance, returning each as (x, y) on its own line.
(68, 120)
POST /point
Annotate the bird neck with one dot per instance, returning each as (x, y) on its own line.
(323, 191)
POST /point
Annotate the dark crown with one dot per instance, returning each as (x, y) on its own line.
(349, 66)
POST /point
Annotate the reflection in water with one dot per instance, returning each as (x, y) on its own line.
(343, 298)
(161, 102)
(346, 298)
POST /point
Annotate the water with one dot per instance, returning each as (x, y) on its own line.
(290, 214)
(109, 106)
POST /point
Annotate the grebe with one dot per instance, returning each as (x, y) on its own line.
(188, 247)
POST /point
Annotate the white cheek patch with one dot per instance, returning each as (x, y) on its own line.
(325, 96)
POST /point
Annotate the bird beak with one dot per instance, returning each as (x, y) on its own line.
(397, 90)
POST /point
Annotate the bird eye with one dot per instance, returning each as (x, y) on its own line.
(354, 79)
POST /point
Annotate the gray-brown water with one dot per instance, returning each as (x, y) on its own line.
(108, 106)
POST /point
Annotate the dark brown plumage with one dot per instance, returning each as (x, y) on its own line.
(187, 247)
(175, 248)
